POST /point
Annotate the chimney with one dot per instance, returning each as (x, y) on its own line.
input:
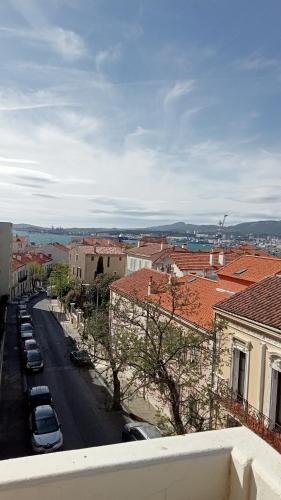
(138, 243)
(18, 258)
(222, 258)
(162, 245)
(212, 258)
(170, 279)
(149, 286)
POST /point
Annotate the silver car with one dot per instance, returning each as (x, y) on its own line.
(46, 430)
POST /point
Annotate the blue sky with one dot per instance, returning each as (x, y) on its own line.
(138, 112)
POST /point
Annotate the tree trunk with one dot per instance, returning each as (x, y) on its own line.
(116, 403)
(174, 400)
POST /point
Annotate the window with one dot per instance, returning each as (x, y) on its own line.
(239, 373)
(240, 271)
(108, 261)
(76, 257)
(120, 258)
(92, 258)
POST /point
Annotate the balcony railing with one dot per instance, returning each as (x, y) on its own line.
(248, 415)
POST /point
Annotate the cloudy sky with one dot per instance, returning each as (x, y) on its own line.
(137, 112)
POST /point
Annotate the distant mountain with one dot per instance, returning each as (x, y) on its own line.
(258, 228)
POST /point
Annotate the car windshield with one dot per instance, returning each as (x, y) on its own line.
(34, 356)
(45, 425)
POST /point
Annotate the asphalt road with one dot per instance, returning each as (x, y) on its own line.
(80, 398)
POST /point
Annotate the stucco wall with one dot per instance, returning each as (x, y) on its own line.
(5, 257)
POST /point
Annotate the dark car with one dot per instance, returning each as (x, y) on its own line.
(21, 307)
(29, 345)
(138, 431)
(24, 317)
(80, 358)
(38, 396)
(46, 435)
(33, 361)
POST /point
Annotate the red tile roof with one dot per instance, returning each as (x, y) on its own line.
(95, 240)
(249, 269)
(196, 295)
(16, 264)
(259, 302)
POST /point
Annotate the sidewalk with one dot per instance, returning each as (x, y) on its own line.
(137, 405)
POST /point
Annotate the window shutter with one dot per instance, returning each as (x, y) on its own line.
(273, 396)
(235, 369)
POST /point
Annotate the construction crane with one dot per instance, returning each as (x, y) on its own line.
(222, 222)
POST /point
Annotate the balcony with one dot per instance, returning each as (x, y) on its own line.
(230, 464)
(249, 416)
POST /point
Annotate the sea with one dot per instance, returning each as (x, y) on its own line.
(43, 238)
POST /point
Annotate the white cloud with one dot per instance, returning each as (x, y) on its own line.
(65, 43)
(257, 63)
(178, 90)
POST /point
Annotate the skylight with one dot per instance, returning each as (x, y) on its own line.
(190, 280)
(240, 271)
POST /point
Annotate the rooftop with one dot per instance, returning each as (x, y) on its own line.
(149, 250)
(99, 250)
(196, 295)
(250, 268)
(230, 464)
(259, 302)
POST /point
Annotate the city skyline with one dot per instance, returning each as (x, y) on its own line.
(136, 115)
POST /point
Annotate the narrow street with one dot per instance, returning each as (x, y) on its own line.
(81, 400)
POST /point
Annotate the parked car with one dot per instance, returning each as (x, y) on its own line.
(29, 345)
(41, 289)
(137, 431)
(21, 307)
(24, 317)
(46, 435)
(38, 396)
(80, 358)
(33, 361)
(26, 336)
(26, 327)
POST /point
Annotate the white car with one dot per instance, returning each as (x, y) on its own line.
(45, 429)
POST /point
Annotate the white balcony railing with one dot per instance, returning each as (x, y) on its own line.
(229, 464)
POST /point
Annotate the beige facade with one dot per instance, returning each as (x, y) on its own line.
(253, 368)
(85, 261)
(5, 257)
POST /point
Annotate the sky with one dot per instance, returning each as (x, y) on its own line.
(133, 113)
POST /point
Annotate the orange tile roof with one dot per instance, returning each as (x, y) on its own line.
(191, 260)
(16, 264)
(259, 302)
(249, 269)
(95, 240)
(201, 293)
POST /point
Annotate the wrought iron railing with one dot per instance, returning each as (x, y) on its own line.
(248, 415)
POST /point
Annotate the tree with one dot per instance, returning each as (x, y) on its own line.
(175, 363)
(97, 295)
(36, 273)
(109, 348)
(59, 278)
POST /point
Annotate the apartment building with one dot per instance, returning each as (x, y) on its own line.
(21, 279)
(253, 371)
(20, 243)
(249, 269)
(86, 262)
(5, 257)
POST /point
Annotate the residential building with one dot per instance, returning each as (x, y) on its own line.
(20, 243)
(253, 371)
(5, 257)
(229, 464)
(21, 279)
(104, 241)
(87, 261)
(147, 256)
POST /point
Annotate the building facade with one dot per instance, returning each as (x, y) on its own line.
(5, 257)
(86, 262)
